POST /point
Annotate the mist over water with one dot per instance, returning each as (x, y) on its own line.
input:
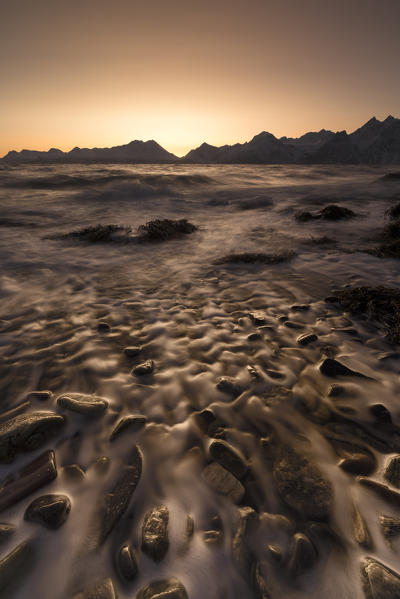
(192, 316)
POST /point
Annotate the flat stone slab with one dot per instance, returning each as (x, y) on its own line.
(222, 481)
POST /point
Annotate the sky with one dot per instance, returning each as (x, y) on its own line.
(104, 72)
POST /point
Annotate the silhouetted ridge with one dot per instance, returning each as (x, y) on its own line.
(376, 142)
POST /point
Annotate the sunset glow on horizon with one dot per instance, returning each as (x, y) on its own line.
(96, 74)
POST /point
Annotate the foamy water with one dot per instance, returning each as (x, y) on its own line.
(192, 317)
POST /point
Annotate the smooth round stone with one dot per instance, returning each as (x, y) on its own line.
(50, 511)
(86, 405)
(127, 563)
(73, 473)
(144, 369)
(39, 395)
(306, 339)
(131, 424)
(169, 588)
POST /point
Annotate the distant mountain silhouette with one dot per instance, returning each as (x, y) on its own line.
(135, 151)
(376, 142)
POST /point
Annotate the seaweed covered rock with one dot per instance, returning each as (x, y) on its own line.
(27, 432)
(164, 229)
(376, 303)
(302, 486)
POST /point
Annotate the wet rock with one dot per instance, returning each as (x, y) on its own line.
(306, 339)
(132, 350)
(331, 212)
(337, 391)
(204, 419)
(333, 368)
(379, 581)
(143, 369)
(381, 413)
(358, 464)
(27, 432)
(28, 479)
(213, 537)
(229, 385)
(258, 318)
(290, 324)
(228, 457)
(302, 554)
(86, 405)
(223, 482)
(6, 531)
(302, 486)
(256, 258)
(103, 327)
(392, 471)
(390, 527)
(15, 567)
(50, 511)
(361, 532)
(39, 395)
(116, 502)
(155, 542)
(246, 523)
(73, 473)
(164, 229)
(253, 372)
(101, 465)
(13, 412)
(259, 580)
(383, 491)
(187, 536)
(254, 337)
(275, 553)
(126, 562)
(169, 588)
(131, 424)
(101, 590)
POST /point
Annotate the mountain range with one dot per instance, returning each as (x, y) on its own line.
(376, 142)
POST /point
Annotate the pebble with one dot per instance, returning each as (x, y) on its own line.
(103, 327)
(50, 511)
(39, 395)
(73, 473)
(132, 350)
(306, 339)
(302, 554)
(229, 385)
(143, 369)
(126, 561)
(258, 318)
(254, 337)
(86, 405)
(333, 368)
(6, 531)
(380, 413)
(155, 542)
(361, 532)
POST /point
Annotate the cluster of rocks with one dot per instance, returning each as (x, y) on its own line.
(331, 212)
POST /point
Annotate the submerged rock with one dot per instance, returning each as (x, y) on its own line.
(15, 566)
(330, 212)
(302, 486)
(303, 554)
(383, 491)
(228, 457)
(169, 588)
(392, 471)
(306, 339)
(155, 542)
(256, 258)
(362, 536)
(126, 563)
(229, 385)
(27, 432)
(30, 478)
(51, 511)
(246, 523)
(144, 368)
(333, 368)
(164, 229)
(73, 473)
(117, 500)
(100, 590)
(380, 413)
(222, 481)
(39, 395)
(379, 581)
(132, 424)
(6, 531)
(132, 350)
(390, 527)
(87, 405)
(187, 536)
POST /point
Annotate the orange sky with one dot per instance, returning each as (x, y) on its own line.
(100, 73)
